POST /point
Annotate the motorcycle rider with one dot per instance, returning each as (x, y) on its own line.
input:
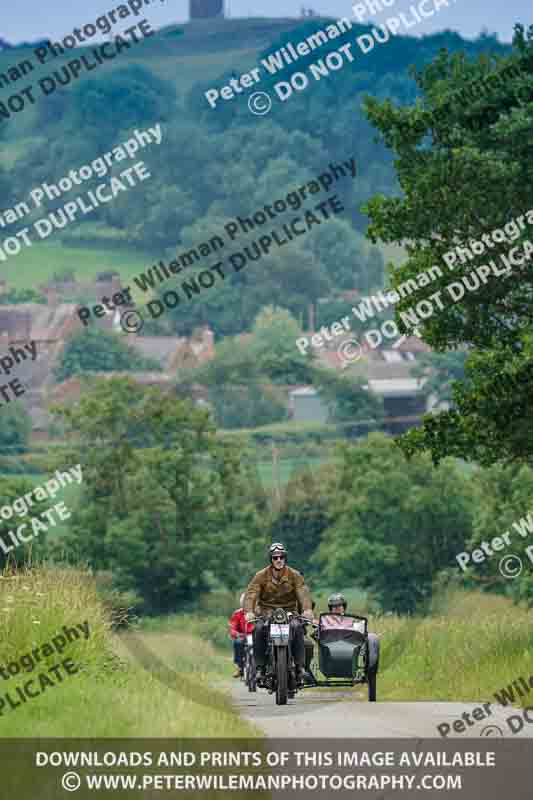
(278, 586)
(238, 628)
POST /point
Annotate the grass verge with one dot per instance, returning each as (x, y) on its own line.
(113, 694)
(474, 646)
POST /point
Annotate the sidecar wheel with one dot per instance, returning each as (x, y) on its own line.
(372, 685)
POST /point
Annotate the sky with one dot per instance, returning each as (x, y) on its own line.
(28, 20)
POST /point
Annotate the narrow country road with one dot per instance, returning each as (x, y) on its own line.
(347, 713)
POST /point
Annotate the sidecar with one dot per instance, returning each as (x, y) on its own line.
(347, 653)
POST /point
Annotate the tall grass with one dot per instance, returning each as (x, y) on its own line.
(115, 693)
(470, 647)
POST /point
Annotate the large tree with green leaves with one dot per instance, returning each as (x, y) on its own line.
(163, 497)
(304, 514)
(463, 159)
(243, 376)
(503, 505)
(395, 524)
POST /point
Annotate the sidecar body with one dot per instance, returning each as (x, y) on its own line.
(347, 653)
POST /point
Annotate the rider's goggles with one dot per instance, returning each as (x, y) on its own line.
(279, 558)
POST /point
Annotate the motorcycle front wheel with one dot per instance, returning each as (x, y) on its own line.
(282, 675)
(251, 673)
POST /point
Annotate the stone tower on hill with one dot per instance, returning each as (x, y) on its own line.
(206, 9)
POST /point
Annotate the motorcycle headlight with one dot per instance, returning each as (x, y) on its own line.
(280, 615)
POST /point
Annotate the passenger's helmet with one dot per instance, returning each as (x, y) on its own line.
(278, 549)
(337, 599)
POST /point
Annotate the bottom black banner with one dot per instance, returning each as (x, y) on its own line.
(52, 769)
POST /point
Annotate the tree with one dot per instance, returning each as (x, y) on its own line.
(15, 428)
(241, 375)
(95, 350)
(248, 406)
(133, 96)
(273, 347)
(304, 515)
(395, 523)
(440, 371)
(162, 496)
(474, 177)
(502, 499)
(346, 398)
(345, 256)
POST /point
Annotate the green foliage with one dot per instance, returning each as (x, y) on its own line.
(241, 375)
(272, 347)
(246, 406)
(440, 371)
(269, 352)
(304, 515)
(465, 169)
(492, 412)
(503, 497)
(64, 275)
(162, 496)
(346, 398)
(10, 490)
(15, 428)
(133, 96)
(14, 296)
(396, 523)
(223, 176)
(95, 350)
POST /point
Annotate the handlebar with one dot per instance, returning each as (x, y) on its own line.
(289, 614)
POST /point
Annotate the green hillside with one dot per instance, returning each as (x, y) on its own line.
(212, 164)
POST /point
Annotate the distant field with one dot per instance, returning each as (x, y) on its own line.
(35, 265)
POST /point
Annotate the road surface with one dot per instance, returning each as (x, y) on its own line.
(347, 713)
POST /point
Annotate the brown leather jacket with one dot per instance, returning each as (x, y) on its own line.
(265, 592)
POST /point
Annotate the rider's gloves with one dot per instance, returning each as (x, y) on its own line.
(308, 614)
(249, 616)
